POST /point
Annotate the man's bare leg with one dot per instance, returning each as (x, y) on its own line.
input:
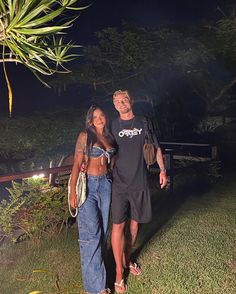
(118, 244)
(130, 240)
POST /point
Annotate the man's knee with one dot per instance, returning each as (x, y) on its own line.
(118, 228)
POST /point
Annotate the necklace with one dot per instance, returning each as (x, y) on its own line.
(124, 123)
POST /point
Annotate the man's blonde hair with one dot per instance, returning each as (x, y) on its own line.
(125, 92)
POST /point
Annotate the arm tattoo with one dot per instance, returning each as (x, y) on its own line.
(80, 147)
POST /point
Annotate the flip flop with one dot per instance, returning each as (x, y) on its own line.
(120, 287)
(135, 269)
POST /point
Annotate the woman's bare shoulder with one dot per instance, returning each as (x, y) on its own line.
(82, 138)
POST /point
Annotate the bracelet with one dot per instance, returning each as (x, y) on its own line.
(163, 170)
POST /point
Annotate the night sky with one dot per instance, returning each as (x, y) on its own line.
(30, 94)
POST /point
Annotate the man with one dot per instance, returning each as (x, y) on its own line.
(130, 193)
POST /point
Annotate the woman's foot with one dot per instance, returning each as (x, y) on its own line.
(120, 287)
(135, 269)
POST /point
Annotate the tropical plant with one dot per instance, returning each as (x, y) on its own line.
(31, 33)
(34, 208)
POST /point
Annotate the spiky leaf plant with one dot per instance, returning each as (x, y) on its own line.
(32, 33)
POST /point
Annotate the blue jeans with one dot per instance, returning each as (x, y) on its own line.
(93, 218)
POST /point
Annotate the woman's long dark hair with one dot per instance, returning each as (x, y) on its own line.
(91, 131)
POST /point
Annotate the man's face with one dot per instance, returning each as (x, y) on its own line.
(122, 103)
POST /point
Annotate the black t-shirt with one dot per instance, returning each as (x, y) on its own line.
(130, 171)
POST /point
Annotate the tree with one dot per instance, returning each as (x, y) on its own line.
(31, 33)
(184, 65)
(139, 56)
(154, 64)
(224, 31)
(31, 142)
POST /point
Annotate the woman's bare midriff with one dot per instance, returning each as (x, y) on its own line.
(97, 166)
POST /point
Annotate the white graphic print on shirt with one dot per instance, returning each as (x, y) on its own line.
(130, 133)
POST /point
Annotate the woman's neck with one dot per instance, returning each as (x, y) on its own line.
(100, 132)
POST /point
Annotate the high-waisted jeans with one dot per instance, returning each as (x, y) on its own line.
(93, 218)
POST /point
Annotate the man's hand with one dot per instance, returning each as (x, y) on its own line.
(163, 179)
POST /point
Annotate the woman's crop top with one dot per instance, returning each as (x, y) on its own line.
(97, 152)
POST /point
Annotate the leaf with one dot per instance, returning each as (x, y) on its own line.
(78, 8)
(41, 271)
(35, 292)
(2, 6)
(41, 31)
(22, 279)
(12, 7)
(42, 20)
(40, 79)
(36, 12)
(8, 85)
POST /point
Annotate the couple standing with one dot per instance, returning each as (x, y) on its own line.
(130, 194)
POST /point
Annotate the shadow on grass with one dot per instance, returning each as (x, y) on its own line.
(166, 203)
(164, 206)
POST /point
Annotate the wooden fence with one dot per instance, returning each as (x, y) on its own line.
(172, 151)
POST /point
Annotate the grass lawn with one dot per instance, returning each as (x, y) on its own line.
(187, 249)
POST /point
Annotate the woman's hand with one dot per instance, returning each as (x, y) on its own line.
(73, 200)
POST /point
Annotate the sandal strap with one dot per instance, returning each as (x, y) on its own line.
(135, 267)
(119, 284)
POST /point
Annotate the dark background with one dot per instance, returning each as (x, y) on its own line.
(29, 94)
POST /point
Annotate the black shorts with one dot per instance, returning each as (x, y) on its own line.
(135, 205)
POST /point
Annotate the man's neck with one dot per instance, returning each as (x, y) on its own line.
(127, 116)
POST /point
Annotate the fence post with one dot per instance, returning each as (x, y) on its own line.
(169, 167)
(50, 175)
(213, 152)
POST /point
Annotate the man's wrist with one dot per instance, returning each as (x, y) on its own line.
(162, 170)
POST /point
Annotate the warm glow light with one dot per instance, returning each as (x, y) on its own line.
(40, 176)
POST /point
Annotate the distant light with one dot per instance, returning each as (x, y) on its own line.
(40, 176)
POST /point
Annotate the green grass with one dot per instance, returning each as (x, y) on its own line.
(187, 249)
(57, 258)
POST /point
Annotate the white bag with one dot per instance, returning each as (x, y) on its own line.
(80, 192)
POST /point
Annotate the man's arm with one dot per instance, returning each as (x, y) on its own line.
(160, 161)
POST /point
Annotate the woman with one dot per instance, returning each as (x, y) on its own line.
(94, 149)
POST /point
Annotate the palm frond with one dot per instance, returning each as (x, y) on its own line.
(12, 8)
(41, 31)
(2, 7)
(41, 20)
(29, 31)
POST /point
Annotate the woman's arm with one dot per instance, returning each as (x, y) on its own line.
(78, 160)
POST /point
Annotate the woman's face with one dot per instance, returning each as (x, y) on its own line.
(99, 119)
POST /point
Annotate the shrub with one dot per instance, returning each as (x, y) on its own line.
(34, 208)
